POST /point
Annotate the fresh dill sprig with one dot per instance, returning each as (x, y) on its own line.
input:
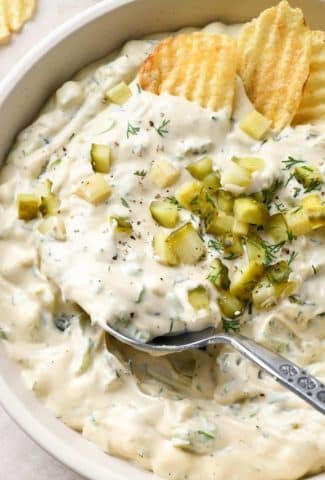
(270, 251)
(280, 207)
(132, 130)
(140, 173)
(272, 191)
(291, 162)
(296, 192)
(174, 201)
(314, 269)
(162, 130)
(124, 203)
(215, 244)
(293, 256)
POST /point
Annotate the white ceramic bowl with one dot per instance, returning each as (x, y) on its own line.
(80, 41)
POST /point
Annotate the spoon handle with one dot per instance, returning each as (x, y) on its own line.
(285, 372)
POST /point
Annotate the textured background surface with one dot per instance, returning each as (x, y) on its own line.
(21, 458)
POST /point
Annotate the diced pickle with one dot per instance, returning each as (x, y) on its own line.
(240, 228)
(234, 174)
(94, 189)
(123, 225)
(163, 173)
(188, 195)
(315, 209)
(53, 226)
(230, 306)
(255, 125)
(252, 164)
(218, 275)
(309, 176)
(186, 244)
(285, 289)
(220, 224)
(248, 210)
(119, 94)
(162, 250)
(279, 272)
(245, 279)
(297, 221)
(50, 205)
(100, 158)
(199, 298)
(212, 182)
(232, 246)
(277, 228)
(255, 249)
(165, 213)
(264, 295)
(201, 168)
(28, 206)
(225, 201)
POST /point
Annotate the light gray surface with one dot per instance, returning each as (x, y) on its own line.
(21, 458)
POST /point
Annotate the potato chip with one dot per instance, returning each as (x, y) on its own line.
(198, 66)
(13, 15)
(312, 106)
(274, 57)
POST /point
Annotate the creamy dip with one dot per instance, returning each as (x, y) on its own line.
(200, 415)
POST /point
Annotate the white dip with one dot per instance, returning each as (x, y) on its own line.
(202, 415)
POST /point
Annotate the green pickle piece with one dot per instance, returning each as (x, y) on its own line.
(28, 206)
(162, 250)
(199, 298)
(277, 228)
(279, 272)
(308, 176)
(201, 168)
(249, 210)
(123, 224)
(165, 213)
(212, 182)
(100, 158)
(245, 279)
(186, 244)
(230, 306)
(219, 275)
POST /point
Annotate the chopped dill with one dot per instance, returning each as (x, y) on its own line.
(131, 130)
(140, 173)
(215, 244)
(174, 201)
(293, 256)
(272, 191)
(124, 203)
(162, 130)
(291, 162)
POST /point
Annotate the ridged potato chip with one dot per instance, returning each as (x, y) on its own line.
(198, 66)
(312, 106)
(273, 62)
(13, 15)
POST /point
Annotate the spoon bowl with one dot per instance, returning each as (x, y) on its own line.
(287, 373)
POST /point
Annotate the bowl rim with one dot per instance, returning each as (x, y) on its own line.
(13, 405)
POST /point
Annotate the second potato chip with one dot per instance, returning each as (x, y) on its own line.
(274, 58)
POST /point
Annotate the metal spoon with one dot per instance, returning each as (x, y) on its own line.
(281, 369)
